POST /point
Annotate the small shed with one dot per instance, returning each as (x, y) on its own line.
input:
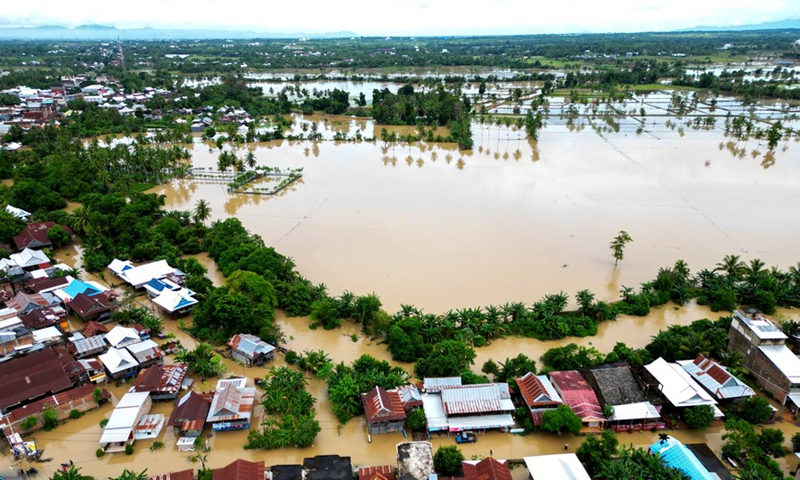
(250, 350)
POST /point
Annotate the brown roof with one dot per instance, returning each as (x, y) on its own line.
(240, 470)
(712, 369)
(22, 300)
(382, 406)
(383, 472)
(182, 475)
(161, 379)
(191, 407)
(39, 284)
(532, 389)
(34, 235)
(85, 305)
(43, 317)
(93, 328)
(487, 469)
(35, 375)
(57, 399)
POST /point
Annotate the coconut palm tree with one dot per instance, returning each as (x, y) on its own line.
(202, 211)
(733, 267)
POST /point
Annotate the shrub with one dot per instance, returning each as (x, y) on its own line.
(49, 419)
(699, 417)
(129, 449)
(755, 410)
(157, 445)
(447, 460)
(99, 452)
(74, 414)
(103, 423)
(29, 422)
(417, 421)
(796, 442)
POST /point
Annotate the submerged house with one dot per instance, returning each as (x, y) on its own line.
(161, 382)
(34, 376)
(678, 387)
(232, 406)
(675, 454)
(119, 431)
(250, 350)
(380, 472)
(86, 347)
(240, 470)
(775, 367)
(539, 395)
(469, 407)
(580, 397)
(176, 303)
(716, 379)
(617, 388)
(121, 337)
(189, 415)
(137, 277)
(119, 363)
(91, 308)
(146, 353)
(384, 411)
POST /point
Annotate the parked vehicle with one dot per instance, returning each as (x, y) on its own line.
(466, 437)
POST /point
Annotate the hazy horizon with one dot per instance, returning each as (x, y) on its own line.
(405, 18)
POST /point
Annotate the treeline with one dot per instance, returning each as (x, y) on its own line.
(436, 107)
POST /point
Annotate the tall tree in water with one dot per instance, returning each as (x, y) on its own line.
(618, 245)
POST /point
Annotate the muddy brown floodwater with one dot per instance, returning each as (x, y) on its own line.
(510, 221)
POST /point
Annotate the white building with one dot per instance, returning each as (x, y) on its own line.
(119, 430)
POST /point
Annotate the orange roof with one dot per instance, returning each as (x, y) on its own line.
(182, 475)
(383, 472)
(383, 406)
(487, 469)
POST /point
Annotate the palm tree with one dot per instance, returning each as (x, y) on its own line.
(250, 160)
(202, 211)
(81, 221)
(733, 267)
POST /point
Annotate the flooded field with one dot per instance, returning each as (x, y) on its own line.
(513, 220)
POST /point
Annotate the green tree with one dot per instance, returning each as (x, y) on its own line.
(417, 421)
(70, 473)
(29, 422)
(447, 358)
(699, 417)
(57, 235)
(597, 450)
(618, 245)
(49, 418)
(561, 419)
(131, 475)
(202, 211)
(755, 410)
(447, 460)
(202, 361)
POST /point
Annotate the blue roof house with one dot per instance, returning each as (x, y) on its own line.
(676, 455)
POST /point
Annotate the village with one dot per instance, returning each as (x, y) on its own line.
(60, 351)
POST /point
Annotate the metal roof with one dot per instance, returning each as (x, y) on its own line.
(434, 384)
(715, 378)
(562, 466)
(537, 391)
(117, 360)
(677, 385)
(471, 399)
(145, 351)
(783, 358)
(760, 325)
(90, 344)
(635, 411)
(676, 455)
(250, 345)
(232, 403)
(120, 336)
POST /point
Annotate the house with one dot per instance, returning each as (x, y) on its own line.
(119, 363)
(435, 384)
(148, 427)
(580, 397)
(34, 235)
(181, 475)
(156, 287)
(87, 347)
(47, 284)
(118, 432)
(232, 406)
(80, 399)
(48, 336)
(189, 415)
(41, 373)
(383, 410)
(487, 469)
(409, 396)
(93, 328)
(24, 303)
(382, 472)
(539, 395)
(414, 460)
(240, 470)
(469, 407)
(675, 454)
(118, 267)
(137, 277)
(617, 388)
(250, 350)
(76, 287)
(678, 387)
(94, 369)
(91, 308)
(327, 467)
(176, 303)
(46, 317)
(146, 353)
(121, 337)
(162, 382)
(29, 259)
(562, 466)
(18, 213)
(763, 345)
(716, 379)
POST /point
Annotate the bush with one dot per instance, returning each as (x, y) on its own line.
(417, 421)
(447, 460)
(129, 449)
(97, 395)
(755, 410)
(157, 445)
(29, 422)
(99, 452)
(796, 442)
(49, 419)
(74, 414)
(699, 417)
(103, 423)
(561, 419)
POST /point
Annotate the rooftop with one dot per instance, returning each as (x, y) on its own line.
(617, 386)
(537, 391)
(677, 385)
(715, 378)
(250, 345)
(562, 466)
(676, 455)
(414, 460)
(382, 406)
(487, 469)
(240, 470)
(760, 325)
(783, 358)
(475, 399)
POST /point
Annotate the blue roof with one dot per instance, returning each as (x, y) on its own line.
(77, 287)
(676, 455)
(156, 284)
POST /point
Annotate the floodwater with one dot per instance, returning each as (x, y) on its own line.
(513, 220)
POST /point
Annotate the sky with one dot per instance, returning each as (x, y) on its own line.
(402, 17)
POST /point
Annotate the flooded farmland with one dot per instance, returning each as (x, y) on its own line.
(512, 220)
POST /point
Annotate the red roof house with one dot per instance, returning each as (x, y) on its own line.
(93, 308)
(487, 469)
(383, 472)
(384, 411)
(240, 470)
(162, 381)
(93, 329)
(35, 235)
(580, 397)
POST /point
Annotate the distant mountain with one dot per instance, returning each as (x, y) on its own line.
(105, 32)
(787, 23)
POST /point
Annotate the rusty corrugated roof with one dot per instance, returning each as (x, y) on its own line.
(487, 469)
(383, 406)
(240, 470)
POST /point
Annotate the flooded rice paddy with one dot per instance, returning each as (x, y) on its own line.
(511, 220)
